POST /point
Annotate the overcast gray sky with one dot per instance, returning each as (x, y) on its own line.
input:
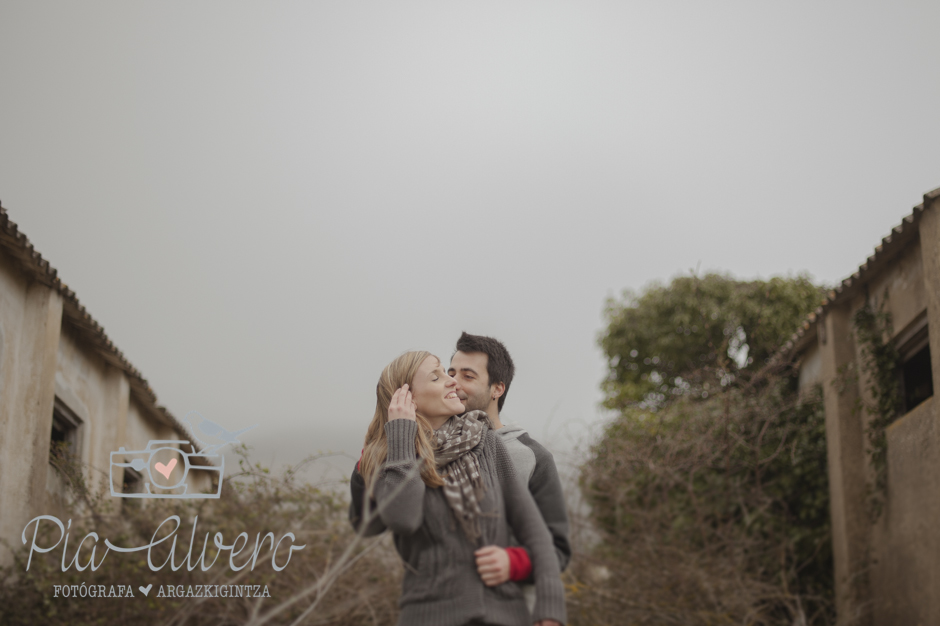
(263, 203)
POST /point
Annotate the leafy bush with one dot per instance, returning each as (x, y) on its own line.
(712, 508)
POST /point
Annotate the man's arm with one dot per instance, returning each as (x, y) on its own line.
(527, 526)
(357, 492)
(545, 487)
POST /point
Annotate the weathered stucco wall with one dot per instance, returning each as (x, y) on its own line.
(98, 394)
(887, 566)
(810, 369)
(45, 361)
(142, 429)
(905, 543)
(30, 321)
(905, 287)
(845, 445)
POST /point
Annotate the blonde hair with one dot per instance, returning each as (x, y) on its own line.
(396, 374)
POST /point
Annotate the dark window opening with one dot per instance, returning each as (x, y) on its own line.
(61, 433)
(916, 371)
(133, 481)
(917, 379)
(66, 431)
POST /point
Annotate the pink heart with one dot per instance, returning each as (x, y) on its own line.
(165, 469)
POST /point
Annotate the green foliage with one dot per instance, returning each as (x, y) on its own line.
(880, 358)
(697, 334)
(353, 582)
(712, 499)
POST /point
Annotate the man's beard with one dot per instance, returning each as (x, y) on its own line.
(479, 402)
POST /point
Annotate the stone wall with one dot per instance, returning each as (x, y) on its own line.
(887, 565)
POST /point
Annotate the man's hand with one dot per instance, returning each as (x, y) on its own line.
(401, 407)
(493, 566)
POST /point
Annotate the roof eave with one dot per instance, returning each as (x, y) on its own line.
(891, 246)
(17, 245)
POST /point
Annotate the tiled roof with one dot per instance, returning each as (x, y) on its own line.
(15, 243)
(900, 236)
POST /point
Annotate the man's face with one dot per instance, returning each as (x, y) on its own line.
(473, 383)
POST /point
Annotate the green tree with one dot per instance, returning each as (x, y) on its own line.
(697, 334)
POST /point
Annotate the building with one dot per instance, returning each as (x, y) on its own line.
(63, 380)
(887, 557)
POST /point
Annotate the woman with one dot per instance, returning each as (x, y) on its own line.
(444, 484)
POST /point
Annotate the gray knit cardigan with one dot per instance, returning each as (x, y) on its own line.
(441, 585)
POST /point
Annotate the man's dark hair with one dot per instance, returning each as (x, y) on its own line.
(499, 365)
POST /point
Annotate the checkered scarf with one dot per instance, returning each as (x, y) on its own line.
(463, 482)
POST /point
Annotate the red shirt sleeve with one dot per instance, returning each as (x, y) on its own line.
(520, 567)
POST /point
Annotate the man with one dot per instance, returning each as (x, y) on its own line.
(484, 370)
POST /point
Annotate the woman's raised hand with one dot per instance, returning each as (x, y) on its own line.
(402, 407)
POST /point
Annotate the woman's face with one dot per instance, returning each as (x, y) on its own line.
(434, 392)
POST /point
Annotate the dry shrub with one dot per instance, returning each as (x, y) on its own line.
(709, 511)
(338, 578)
